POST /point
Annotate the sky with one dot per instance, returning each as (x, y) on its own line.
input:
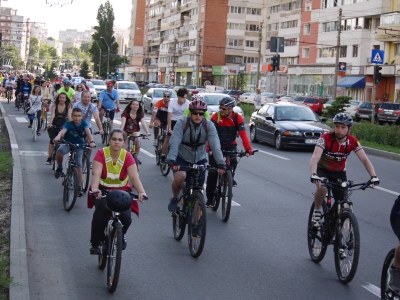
(80, 15)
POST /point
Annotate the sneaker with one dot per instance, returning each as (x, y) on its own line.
(173, 204)
(234, 184)
(209, 203)
(80, 191)
(48, 161)
(162, 158)
(342, 254)
(29, 126)
(196, 231)
(58, 172)
(155, 143)
(124, 243)
(394, 283)
(95, 249)
(317, 218)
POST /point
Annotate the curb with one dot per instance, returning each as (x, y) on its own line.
(19, 288)
(381, 153)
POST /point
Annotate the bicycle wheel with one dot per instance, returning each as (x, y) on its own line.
(315, 237)
(197, 225)
(106, 130)
(70, 189)
(164, 168)
(347, 247)
(136, 161)
(226, 195)
(102, 257)
(160, 142)
(34, 129)
(178, 220)
(44, 120)
(17, 103)
(85, 171)
(114, 257)
(385, 277)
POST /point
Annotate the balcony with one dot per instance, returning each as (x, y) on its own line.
(154, 53)
(183, 64)
(389, 29)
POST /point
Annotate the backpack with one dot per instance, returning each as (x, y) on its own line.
(194, 144)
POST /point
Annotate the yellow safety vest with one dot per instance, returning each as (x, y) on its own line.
(114, 171)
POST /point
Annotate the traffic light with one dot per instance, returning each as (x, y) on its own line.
(377, 74)
(275, 62)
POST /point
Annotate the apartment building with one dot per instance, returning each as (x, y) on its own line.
(55, 44)
(75, 36)
(39, 32)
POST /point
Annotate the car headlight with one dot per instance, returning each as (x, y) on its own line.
(292, 133)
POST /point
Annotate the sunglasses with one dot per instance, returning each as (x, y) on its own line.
(167, 96)
(223, 108)
(117, 139)
(78, 87)
(197, 113)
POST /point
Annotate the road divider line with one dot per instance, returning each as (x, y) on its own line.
(235, 203)
(278, 156)
(387, 191)
(147, 153)
(21, 120)
(373, 289)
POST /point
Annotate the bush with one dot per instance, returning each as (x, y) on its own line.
(248, 109)
(383, 135)
(338, 105)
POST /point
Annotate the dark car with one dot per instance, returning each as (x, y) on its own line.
(285, 124)
(232, 93)
(141, 84)
(364, 111)
(315, 103)
(389, 113)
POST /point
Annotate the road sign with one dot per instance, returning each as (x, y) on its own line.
(377, 57)
(342, 67)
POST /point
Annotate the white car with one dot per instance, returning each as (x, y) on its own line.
(212, 100)
(99, 85)
(351, 110)
(247, 97)
(127, 90)
(93, 93)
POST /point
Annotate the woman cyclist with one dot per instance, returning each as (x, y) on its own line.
(35, 102)
(78, 92)
(131, 116)
(113, 168)
(60, 113)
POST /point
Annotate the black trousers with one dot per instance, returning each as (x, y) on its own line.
(100, 220)
(213, 176)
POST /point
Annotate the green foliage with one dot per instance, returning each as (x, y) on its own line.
(382, 135)
(84, 69)
(51, 38)
(248, 109)
(6, 162)
(85, 47)
(13, 53)
(338, 105)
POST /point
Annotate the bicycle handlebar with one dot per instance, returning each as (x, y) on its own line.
(240, 153)
(105, 192)
(74, 145)
(134, 137)
(346, 184)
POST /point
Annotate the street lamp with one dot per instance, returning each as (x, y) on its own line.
(99, 56)
(108, 55)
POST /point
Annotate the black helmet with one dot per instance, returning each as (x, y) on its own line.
(118, 201)
(343, 118)
(227, 101)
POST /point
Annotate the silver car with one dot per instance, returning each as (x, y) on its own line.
(92, 90)
(152, 96)
(127, 90)
(99, 85)
(212, 100)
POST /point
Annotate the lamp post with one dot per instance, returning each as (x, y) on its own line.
(108, 55)
(99, 55)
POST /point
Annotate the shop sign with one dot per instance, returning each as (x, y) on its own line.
(206, 68)
(311, 70)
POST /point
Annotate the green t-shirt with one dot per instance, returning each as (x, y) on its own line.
(187, 112)
(70, 92)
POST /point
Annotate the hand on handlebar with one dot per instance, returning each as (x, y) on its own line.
(221, 169)
(96, 193)
(174, 165)
(142, 197)
(374, 181)
(315, 179)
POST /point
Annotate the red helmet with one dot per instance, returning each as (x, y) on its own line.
(110, 83)
(198, 104)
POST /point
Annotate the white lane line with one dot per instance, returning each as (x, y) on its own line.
(14, 146)
(147, 153)
(33, 153)
(281, 157)
(387, 191)
(235, 203)
(373, 289)
(21, 120)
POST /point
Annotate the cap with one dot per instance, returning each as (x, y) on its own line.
(110, 83)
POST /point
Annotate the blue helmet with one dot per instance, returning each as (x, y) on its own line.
(67, 82)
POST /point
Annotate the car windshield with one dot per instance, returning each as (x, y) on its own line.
(98, 82)
(223, 92)
(160, 94)
(300, 99)
(330, 102)
(354, 103)
(213, 99)
(89, 84)
(290, 113)
(128, 86)
(392, 106)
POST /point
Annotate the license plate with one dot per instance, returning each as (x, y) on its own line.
(364, 116)
(309, 141)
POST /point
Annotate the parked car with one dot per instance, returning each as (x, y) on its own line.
(247, 97)
(389, 113)
(152, 96)
(141, 84)
(192, 89)
(99, 86)
(177, 87)
(315, 103)
(231, 93)
(92, 90)
(212, 100)
(285, 124)
(364, 111)
(350, 109)
(286, 98)
(127, 90)
(151, 84)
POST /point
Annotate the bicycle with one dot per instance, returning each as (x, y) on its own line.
(18, 103)
(34, 125)
(106, 126)
(132, 147)
(45, 109)
(162, 135)
(386, 292)
(86, 166)
(191, 210)
(111, 247)
(25, 103)
(70, 177)
(340, 228)
(223, 190)
(9, 94)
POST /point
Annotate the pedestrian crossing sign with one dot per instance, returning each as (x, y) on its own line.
(377, 57)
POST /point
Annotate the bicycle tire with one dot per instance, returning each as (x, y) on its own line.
(70, 189)
(158, 150)
(114, 257)
(164, 168)
(102, 257)
(44, 121)
(85, 172)
(24, 107)
(350, 243)
(136, 161)
(179, 221)
(226, 195)
(385, 277)
(316, 241)
(34, 129)
(106, 133)
(17, 103)
(196, 243)
(217, 194)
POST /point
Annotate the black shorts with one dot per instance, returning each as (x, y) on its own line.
(334, 176)
(395, 222)
(53, 131)
(111, 113)
(173, 124)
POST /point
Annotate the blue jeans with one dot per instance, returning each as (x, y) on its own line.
(64, 149)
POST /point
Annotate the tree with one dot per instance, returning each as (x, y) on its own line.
(33, 58)
(85, 47)
(84, 69)
(338, 105)
(51, 38)
(12, 53)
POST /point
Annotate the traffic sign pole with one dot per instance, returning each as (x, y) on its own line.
(373, 103)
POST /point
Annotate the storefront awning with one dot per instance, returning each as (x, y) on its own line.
(357, 82)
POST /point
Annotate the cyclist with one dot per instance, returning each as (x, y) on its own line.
(9, 85)
(228, 124)
(113, 168)
(159, 116)
(18, 83)
(74, 132)
(57, 83)
(89, 111)
(25, 88)
(68, 90)
(186, 113)
(78, 91)
(394, 283)
(60, 113)
(109, 99)
(188, 146)
(329, 161)
(35, 102)
(132, 115)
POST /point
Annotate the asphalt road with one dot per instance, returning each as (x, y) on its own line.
(261, 253)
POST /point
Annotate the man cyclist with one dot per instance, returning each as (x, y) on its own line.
(89, 111)
(159, 116)
(188, 146)
(68, 90)
(108, 99)
(329, 161)
(228, 125)
(10, 85)
(25, 89)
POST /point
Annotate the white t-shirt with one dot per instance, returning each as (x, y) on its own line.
(176, 109)
(36, 102)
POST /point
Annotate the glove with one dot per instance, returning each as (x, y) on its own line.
(117, 110)
(222, 167)
(250, 152)
(314, 178)
(374, 180)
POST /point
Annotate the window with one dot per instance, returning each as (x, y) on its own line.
(273, 26)
(235, 43)
(377, 47)
(397, 50)
(237, 10)
(329, 3)
(377, 22)
(291, 42)
(343, 51)
(355, 50)
(289, 24)
(307, 29)
(250, 60)
(252, 44)
(305, 52)
(251, 27)
(329, 26)
(254, 11)
(234, 59)
(308, 6)
(236, 26)
(202, 9)
(274, 9)
(327, 52)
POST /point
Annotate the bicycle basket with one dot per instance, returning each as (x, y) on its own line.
(31, 117)
(118, 201)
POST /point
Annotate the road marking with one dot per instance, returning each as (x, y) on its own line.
(235, 203)
(373, 289)
(281, 157)
(21, 120)
(14, 146)
(147, 153)
(387, 191)
(33, 153)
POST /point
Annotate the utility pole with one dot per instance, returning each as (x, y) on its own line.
(335, 78)
(198, 58)
(173, 62)
(259, 55)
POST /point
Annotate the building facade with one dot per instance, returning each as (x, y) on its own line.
(39, 32)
